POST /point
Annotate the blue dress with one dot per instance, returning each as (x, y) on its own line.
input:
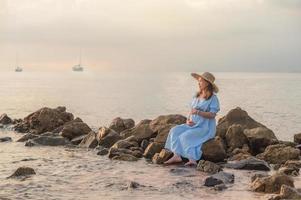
(186, 140)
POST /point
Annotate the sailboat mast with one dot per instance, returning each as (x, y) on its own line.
(80, 57)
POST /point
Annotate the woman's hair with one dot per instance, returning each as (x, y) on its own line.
(209, 88)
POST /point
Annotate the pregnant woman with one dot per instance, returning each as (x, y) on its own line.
(186, 140)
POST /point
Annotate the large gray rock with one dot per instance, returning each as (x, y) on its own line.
(163, 120)
(50, 140)
(235, 116)
(43, 120)
(249, 164)
(213, 150)
(219, 178)
(5, 139)
(89, 141)
(23, 171)
(279, 154)
(27, 136)
(152, 149)
(74, 129)
(271, 184)
(119, 124)
(4, 119)
(107, 137)
(259, 138)
(235, 137)
(163, 133)
(208, 167)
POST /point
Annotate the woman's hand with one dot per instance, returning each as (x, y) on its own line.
(190, 122)
(194, 111)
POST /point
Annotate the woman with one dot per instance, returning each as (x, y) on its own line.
(186, 139)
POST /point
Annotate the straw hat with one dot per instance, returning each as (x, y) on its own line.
(208, 77)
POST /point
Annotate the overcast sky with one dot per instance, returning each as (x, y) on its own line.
(177, 35)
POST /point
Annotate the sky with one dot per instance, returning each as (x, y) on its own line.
(172, 35)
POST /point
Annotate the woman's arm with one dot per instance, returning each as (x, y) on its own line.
(209, 115)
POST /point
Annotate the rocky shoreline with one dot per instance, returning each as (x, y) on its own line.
(241, 143)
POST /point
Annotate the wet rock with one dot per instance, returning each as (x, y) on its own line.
(125, 157)
(5, 120)
(213, 150)
(77, 140)
(293, 164)
(141, 132)
(5, 139)
(43, 120)
(219, 178)
(152, 149)
(279, 154)
(50, 141)
(235, 116)
(23, 171)
(220, 187)
(123, 144)
(287, 192)
(235, 138)
(259, 138)
(118, 124)
(89, 141)
(164, 120)
(134, 185)
(107, 137)
(29, 143)
(271, 184)
(239, 156)
(291, 171)
(74, 129)
(163, 133)
(297, 138)
(26, 137)
(250, 163)
(103, 152)
(160, 158)
(208, 167)
(120, 151)
(144, 144)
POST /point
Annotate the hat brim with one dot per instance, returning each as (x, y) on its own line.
(197, 76)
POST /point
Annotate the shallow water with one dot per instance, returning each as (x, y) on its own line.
(71, 173)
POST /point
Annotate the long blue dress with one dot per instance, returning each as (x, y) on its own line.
(186, 140)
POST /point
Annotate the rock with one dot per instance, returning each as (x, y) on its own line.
(29, 143)
(23, 171)
(213, 150)
(50, 141)
(279, 154)
(220, 187)
(239, 156)
(5, 139)
(163, 120)
(134, 185)
(259, 138)
(297, 138)
(144, 144)
(27, 136)
(271, 184)
(163, 133)
(43, 120)
(291, 171)
(118, 124)
(219, 178)
(208, 167)
(123, 144)
(125, 157)
(235, 138)
(249, 164)
(4, 119)
(107, 137)
(89, 141)
(75, 129)
(160, 158)
(77, 140)
(103, 152)
(152, 149)
(287, 192)
(140, 132)
(235, 116)
(293, 164)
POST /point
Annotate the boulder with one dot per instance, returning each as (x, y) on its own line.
(23, 171)
(50, 140)
(249, 164)
(208, 167)
(27, 136)
(163, 133)
(219, 178)
(160, 158)
(107, 137)
(235, 137)
(271, 184)
(5, 139)
(297, 138)
(4, 119)
(77, 140)
(287, 192)
(144, 144)
(103, 152)
(123, 144)
(118, 124)
(235, 116)
(125, 157)
(163, 120)
(75, 129)
(291, 171)
(140, 132)
(89, 141)
(43, 120)
(152, 149)
(279, 154)
(259, 138)
(213, 150)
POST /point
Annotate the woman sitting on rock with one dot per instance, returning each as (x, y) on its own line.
(186, 140)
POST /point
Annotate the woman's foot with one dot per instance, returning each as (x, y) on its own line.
(174, 159)
(191, 163)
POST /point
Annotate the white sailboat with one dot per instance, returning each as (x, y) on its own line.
(18, 68)
(78, 67)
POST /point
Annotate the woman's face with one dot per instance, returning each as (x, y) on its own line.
(202, 83)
